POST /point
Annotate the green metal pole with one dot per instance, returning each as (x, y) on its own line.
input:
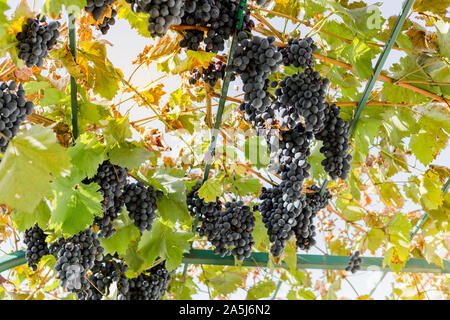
(73, 84)
(223, 96)
(381, 61)
(260, 260)
(12, 260)
(376, 73)
(311, 261)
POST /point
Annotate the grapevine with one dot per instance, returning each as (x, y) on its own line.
(116, 183)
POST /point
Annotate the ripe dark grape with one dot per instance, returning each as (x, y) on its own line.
(97, 8)
(111, 179)
(104, 273)
(161, 14)
(290, 160)
(36, 39)
(210, 75)
(192, 39)
(141, 204)
(335, 138)
(74, 256)
(279, 217)
(150, 285)
(354, 263)
(219, 17)
(253, 60)
(205, 211)
(299, 53)
(14, 109)
(232, 231)
(303, 94)
(36, 246)
(305, 229)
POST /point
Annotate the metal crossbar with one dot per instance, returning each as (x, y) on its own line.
(261, 259)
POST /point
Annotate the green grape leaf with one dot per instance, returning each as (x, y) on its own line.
(54, 7)
(375, 238)
(243, 186)
(210, 190)
(41, 216)
(172, 205)
(263, 289)
(86, 155)
(126, 233)
(164, 242)
(117, 130)
(75, 205)
(33, 153)
(129, 155)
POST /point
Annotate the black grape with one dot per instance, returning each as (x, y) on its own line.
(305, 229)
(279, 217)
(36, 246)
(161, 14)
(335, 138)
(150, 285)
(103, 274)
(75, 256)
(97, 8)
(210, 75)
(205, 211)
(36, 39)
(299, 53)
(141, 204)
(111, 179)
(303, 94)
(14, 109)
(219, 17)
(354, 263)
(254, 59)
(232, 231)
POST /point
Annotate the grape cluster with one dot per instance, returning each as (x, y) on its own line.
(75, 256)
(219, 17)
(108, 22)
(232, 232)
(104, 273)
(335, 138)
(36, 39)
(305, 93)
(254, 59)
(258, 119)
(150, 285)
(206, 212)
(161, 14)
(210, 75)
(111, 179)
(97, 7)
(14, 109)
(354, 264)
(36, 246)
(299, 52)
(141, 204)
(305, 229)
(290, 160)
(279, 217)
(192, 39)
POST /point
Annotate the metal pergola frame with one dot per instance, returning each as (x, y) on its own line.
(261, 259)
